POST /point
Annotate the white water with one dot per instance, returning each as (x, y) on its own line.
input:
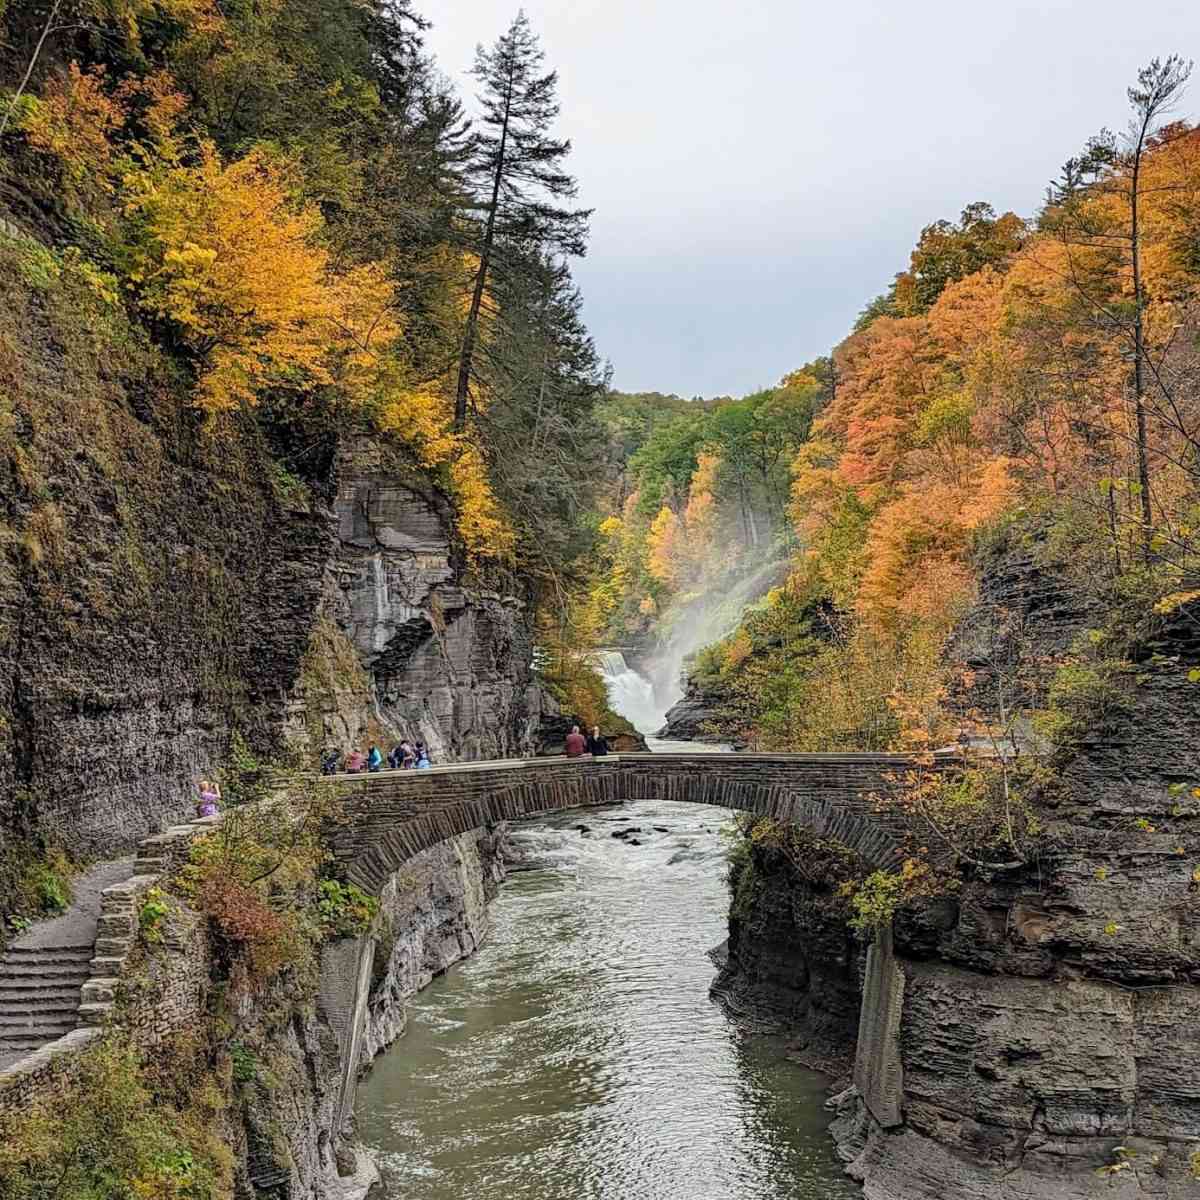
(644, 702)
(630, 694)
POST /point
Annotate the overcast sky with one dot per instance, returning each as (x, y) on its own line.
(760, 170)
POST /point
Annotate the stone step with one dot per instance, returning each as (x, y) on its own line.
(117, 925)
(113, 947)
(79, 969)
(38, 1035)
(18, 991)
(94, 1013)
(13, 1045)
(17, 958)
(99, 991)
(14, 1017)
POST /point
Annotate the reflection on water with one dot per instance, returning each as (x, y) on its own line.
(578, 1055)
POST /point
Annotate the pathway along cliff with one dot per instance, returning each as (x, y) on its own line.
(578, 1053)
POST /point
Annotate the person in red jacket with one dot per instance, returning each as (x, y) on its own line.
(575, 745)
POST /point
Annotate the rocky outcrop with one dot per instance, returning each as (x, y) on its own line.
(444, 656)
(790, 961)
(692, 718)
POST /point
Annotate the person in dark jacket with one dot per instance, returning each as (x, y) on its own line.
(575, 746)
(597, 744)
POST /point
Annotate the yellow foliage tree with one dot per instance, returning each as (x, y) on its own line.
(75, 120)
(663, 547)
(224, 254)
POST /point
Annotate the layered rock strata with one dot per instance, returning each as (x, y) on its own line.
(790, 960)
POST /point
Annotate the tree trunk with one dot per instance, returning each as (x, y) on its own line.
(37, 50)
(485, 258)
(1139, 351)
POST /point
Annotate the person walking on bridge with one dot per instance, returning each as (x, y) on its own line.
(597, 744)
(575, 745)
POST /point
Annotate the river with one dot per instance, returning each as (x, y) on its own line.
(578, 1056)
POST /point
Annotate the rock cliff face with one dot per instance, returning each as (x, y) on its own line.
(287, 1135)
(790, 960)
(689, 718)
(1048, 1013)
(164, 583)
(445, 658)
(433, 914)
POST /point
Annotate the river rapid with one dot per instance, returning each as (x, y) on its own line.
(578, 1055)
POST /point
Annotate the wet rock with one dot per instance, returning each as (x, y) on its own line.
(690, 719)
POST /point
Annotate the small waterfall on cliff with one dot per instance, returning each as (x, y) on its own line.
(630, 694)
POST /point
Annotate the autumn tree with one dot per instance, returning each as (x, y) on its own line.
(947, 251)
(517, 171)
(1097, 210)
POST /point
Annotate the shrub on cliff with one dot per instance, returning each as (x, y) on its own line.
(258, 875)
(120, 1126)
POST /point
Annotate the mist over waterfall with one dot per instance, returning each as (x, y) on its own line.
(644, 700)
(703, 620)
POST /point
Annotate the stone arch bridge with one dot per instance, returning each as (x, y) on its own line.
(394, 815)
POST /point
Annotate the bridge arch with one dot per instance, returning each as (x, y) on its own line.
(392, 816)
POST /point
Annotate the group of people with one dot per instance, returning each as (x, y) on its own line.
(595, 744)
(404, 756)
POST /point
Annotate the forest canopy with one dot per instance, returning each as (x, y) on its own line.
(291, 200)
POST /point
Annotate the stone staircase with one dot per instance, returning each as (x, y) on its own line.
(40, 993)
(46, 973)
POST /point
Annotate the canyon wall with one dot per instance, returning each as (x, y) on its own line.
(790, 960)
(1047, 1036)
(167, 580)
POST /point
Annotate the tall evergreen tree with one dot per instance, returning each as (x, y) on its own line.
(545, 377)
(518, 174)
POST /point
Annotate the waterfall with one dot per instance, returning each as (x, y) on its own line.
(630, 694)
